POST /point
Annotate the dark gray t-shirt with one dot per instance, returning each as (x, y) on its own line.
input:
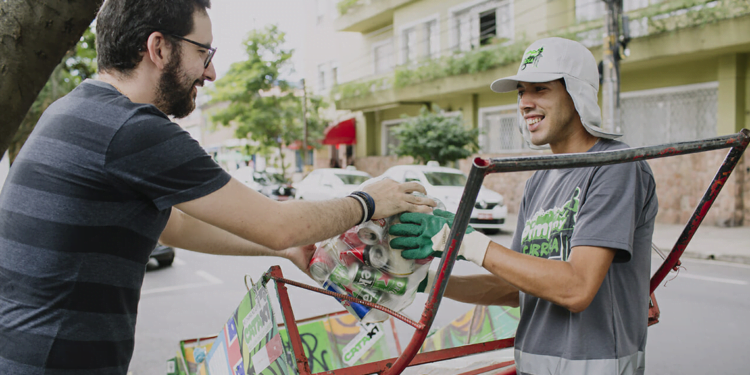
(610, 206)
(80, 212)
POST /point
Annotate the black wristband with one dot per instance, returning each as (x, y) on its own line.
(362, 204)
(370, 204)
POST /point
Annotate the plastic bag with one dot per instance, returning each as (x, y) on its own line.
(361, 263)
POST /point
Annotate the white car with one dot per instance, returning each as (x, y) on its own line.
(447, 185)
(329, 183)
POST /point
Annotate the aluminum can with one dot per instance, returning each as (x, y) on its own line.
(355, 309)
(351, 238)
(375, 256)
(319, 268)
(372, 232)
(399, 266)
(351, 256)
(368, 295)
(340, 276)
(374, 279)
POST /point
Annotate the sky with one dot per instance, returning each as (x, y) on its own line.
(233, 19)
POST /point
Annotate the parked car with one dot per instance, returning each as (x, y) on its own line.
(447, 185)
(264, 182)
(329, 183)
(164, 255)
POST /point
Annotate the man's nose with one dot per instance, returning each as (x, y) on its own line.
(209, 73)
(526, 102)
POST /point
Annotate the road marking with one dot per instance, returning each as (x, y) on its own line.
(715, 279)
(209, 277)
(179, 262)
(212, 280)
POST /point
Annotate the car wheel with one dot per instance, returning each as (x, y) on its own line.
(166, 262)
(490, 231)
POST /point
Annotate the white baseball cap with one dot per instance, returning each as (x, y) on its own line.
(550, 59)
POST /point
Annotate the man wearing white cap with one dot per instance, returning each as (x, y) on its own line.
(579, 263)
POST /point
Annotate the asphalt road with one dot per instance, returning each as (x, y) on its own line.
(703, 326)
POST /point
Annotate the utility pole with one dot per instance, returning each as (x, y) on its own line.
(611, 67)
(304, 121)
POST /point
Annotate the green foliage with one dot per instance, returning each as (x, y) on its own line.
(468, 62)
(343, 6)
(434, 136)
(77, 65)
(262, 106)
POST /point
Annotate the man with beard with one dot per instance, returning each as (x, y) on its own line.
(579, 263)
(105, 174)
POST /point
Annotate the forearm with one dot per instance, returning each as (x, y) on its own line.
(305, 222)
(186, 232)
(276, 225)
(571, 284)
(481, 290)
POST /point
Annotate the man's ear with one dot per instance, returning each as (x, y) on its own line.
(158, 49)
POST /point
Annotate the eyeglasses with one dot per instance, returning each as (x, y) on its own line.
(211, 50)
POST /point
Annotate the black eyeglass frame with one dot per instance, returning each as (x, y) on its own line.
(211, 50)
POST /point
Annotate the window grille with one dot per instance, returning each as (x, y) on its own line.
(499, 130)
(673, 114)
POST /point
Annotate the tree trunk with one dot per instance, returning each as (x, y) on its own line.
(34, 37)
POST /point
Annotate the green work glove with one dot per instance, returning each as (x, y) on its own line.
(424, 235)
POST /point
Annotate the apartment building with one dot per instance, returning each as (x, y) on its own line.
(686, 76)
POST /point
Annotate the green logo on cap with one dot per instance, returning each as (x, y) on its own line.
(532, 57)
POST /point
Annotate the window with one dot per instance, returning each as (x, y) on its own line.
(410, 176)
(432, 39)
(383, 56)
(481, 23)
(487, 29)
(334, 73)
(671, 114)
(388, 138)
(321, 77)
(499, 130)
(587, 10)
(409, 45)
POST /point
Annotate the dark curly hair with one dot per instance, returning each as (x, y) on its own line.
(123, 27)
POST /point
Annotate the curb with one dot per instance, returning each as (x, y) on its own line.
(731, 258)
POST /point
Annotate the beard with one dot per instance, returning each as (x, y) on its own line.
(174, 93)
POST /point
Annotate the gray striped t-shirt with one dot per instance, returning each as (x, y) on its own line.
(80, 212)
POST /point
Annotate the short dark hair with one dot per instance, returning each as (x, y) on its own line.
(123, 27)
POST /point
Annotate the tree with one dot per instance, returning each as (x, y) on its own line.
(433, 135)
(262, 105)
(34, 37)
(77, 65)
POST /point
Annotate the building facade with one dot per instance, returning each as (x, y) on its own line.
(686, 76)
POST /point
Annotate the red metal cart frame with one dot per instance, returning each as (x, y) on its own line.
(482, 167)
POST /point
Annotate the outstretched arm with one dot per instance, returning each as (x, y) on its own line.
(279, 225)
(187, 232)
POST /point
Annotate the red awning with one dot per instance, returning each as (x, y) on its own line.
(342, 133)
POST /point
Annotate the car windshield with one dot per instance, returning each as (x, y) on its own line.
(351, 179)
(445, 179)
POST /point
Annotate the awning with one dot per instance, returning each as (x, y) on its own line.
(342, 133)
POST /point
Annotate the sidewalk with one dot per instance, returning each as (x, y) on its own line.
(709, 242)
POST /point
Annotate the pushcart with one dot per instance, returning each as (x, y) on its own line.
(737, 143)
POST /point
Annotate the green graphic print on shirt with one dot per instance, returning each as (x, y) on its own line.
(547, 233)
